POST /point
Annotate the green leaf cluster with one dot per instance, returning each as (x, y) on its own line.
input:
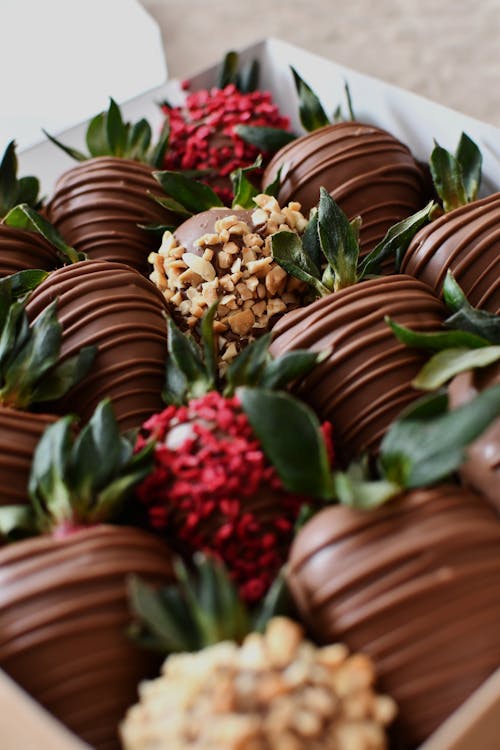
(30, 370)
(456, 177)
(327, 256)
(244, 77)
(13, 190)
(108, 134)
(201, 608)
(472, 339)
(87, 478)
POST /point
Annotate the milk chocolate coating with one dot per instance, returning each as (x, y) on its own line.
(204, 223)
(63, 620)
(368, 172)
(122, 313)
(416, 586)
(482, 468)
(21, 250)
(20, 432)
(366, 381)
(466, 241)
(98, 205)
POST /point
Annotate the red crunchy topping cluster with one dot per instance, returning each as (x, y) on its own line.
(202, 131)
(213, 490)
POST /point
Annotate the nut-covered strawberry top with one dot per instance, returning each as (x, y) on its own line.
(275, 691)
(232, 264)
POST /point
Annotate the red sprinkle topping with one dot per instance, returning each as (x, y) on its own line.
(202, 132)
(213, 490)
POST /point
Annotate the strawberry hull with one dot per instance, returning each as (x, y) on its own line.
(63, 618)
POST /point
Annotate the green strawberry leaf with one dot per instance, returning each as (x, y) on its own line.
(192, 195)
(450, 362)
(244, 191)
(448, 178)
(248, 366)
(470, 159)
(209, 343)
(47, 488)
(279, 372)
(110, 501)
(96, 136)
(311, 243)
(312, 115)
(20, 284)
(395, 243)
(288, 252)
(338, 241)
(268, 412)
(436, 341)
(267, 139)
(139, 139)
(419, 450)
(25, 217)
(157, 156)
(14, 335)
(8, 179)
(274, 187)
(72, 152)
(28, 189)
(170, 205)
(468, 318)
(16, 522)
(64, 376)
(363, 494)
(176, 385)
(229, 70)
(116, 130)
(277, 602)
(248, 77)
(187, 356)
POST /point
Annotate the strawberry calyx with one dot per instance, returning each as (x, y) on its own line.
(12, 189)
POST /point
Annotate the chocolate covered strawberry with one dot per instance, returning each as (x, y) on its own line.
(63, 595)
(33, 377)
(264, 686)
(204, 128)
(101, 206)
(368, 171)
(366, 380)
(229, 473)
(225, 254)
(415, 582)
(112, 307)
(26, 239)
(465, 239)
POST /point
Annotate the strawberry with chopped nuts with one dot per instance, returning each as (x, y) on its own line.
(255, 682)
(225, 255)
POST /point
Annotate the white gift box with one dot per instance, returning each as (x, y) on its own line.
(415, 121)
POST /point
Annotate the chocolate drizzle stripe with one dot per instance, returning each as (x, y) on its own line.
(415, 584)
(467, 241)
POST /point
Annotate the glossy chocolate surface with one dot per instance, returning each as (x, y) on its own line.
(21, 250)
(466, 241)
(115, 308)
(20, 432)
(482, 468)
(416, 586)
(63, 620)
(98, 205)
(366, 381)
(204, 223)
(368, 172)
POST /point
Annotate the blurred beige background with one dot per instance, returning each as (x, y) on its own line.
(446, 50)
